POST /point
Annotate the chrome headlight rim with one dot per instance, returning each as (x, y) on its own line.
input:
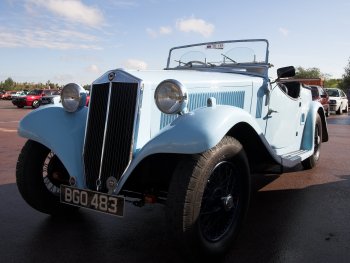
(73, 97)
(174, 99)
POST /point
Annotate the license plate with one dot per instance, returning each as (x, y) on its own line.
(110, 204)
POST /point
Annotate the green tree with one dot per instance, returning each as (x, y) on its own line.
(345, 83)
(309, 73)
(8, 84)
(87, 87)
(332, 83)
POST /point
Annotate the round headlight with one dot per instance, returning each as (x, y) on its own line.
(73, 97)
(171, 97)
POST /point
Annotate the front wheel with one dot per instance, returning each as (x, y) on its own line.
(208, 198)
(39, 174)
(313, 159)
(339, 111)
(35, 104)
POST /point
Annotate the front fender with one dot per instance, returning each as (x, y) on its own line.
(193, 133)
(60, 131)
(199, 130)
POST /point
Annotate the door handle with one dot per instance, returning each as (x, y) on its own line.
(270, 111)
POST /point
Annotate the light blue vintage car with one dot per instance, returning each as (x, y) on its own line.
(188, 136)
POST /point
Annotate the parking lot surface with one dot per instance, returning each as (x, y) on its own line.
(297, 216)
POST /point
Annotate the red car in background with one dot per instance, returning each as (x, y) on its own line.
(2, 94)
(320, 95)
(6, 95)
(32, 99)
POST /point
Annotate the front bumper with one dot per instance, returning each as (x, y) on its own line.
(21, 102)
(334, 107)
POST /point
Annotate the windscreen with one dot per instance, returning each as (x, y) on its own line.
(226, 53)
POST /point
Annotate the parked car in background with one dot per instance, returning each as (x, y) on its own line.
(6, 95)
(338, 101)
(320, 95)
(54, 98)
(9, 95)
(32, 99)
(16, 94)
(188, 136)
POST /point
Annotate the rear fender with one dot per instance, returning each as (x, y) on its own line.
(309, 129)
(61, 132)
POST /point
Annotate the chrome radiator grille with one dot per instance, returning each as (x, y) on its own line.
(109, 132)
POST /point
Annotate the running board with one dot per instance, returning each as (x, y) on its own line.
(293, 158)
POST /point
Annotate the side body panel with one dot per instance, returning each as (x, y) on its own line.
(286, 118)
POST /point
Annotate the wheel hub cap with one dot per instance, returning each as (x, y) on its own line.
(227, 202)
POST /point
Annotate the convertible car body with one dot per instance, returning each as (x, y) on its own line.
(188, 136)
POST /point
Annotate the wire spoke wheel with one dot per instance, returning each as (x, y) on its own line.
(220, 202)
(317, 141)
(311, 161)
(208, 199)
(54, 174)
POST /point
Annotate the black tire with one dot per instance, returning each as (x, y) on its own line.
(39, 174)
(35, 104)
(313, 159)
(20, 106)
(346, 110)
(327, 113)
(208, 198)
(339, 111)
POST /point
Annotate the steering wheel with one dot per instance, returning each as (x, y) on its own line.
(190, 63)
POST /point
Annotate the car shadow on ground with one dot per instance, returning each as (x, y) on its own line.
(293, 225)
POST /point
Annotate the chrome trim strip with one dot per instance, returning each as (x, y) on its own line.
(86, 126)
(98, 182)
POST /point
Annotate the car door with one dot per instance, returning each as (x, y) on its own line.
(284, 118)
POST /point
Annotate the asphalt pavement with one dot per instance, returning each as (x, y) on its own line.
(298, 216)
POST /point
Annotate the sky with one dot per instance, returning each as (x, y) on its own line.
(65, 41)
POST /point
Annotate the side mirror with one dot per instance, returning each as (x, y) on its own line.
(286, 72)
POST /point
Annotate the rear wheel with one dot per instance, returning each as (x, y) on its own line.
(208, 198)
(313, 159)
(39, 174)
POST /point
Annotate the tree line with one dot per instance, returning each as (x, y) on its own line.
(10, 84)
(342, 83)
